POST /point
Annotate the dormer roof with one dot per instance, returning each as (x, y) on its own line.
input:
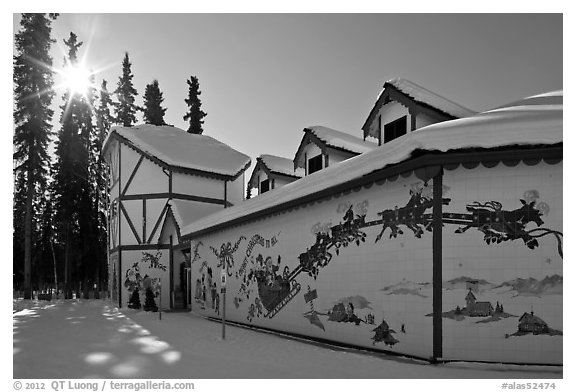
(409, 94)
(326, 137)
(274, 165)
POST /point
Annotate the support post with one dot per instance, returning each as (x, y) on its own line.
(437, 267)
(223, 292)
(171, 276)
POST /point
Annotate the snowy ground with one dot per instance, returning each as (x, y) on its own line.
(92, 339)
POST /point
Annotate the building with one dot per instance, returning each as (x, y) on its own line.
(271, 172)
(432, 185)
(321, 147)
(161, 179)
(404, 106)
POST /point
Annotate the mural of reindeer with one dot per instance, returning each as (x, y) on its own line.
(412, 215)
(500, 225)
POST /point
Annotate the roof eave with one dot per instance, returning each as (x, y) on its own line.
(172, 167)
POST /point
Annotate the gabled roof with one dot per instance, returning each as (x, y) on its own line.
(280, 165)
(535, 121)
(470, 296)
(483, 304)
(529, 318)
(328, 137)
(419, 95)
(275, 165)
(423, 95)
(341, 140)
(179, 149)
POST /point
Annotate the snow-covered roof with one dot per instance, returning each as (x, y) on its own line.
(280, 165)
(421, 94)
(341, 140)
(178, 148)
(533, 121)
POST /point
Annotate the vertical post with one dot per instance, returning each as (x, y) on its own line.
(119, 214)
(224, 315)
(160, 300)
(223, 291)
(171, 269)
(437, 267)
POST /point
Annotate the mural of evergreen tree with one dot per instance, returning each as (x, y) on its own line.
(126, 94)
(134, 301)
(195, 115)
(149, 302)
(33, 81)
(153, 110)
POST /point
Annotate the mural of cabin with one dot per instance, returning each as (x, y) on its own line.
(163, 178)
(466, 195)
(321, 147)
(529, 323)
(271, 172)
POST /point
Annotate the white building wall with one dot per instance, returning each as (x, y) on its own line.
(509, 272)
(422, 120)
(150, 178)
(336, 156)
(391, 280)
(128, 161)
(310, 151)
(390, 112)
(198, 186)
(235, 190)
(358, 274)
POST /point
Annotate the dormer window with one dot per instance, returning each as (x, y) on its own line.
(264, 186)
(395, 129)
(315, 164)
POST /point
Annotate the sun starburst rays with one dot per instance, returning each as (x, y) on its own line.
(75, 79)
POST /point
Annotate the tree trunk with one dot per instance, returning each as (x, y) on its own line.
(67, 294)
(28, 238)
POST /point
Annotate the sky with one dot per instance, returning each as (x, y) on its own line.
(265, 77)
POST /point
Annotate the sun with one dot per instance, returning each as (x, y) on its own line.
(76, 79)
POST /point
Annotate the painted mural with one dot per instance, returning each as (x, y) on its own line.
(271, 275)
(137, 279)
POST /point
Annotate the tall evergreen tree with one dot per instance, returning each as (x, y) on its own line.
(153, 110)
(33, 81)
(104, 120)
(72, 186)
(126, 94)
(195, 115)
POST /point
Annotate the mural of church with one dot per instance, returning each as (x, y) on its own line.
(476, 308)
(428, 235)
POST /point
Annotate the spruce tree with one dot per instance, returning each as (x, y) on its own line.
(104, 120)
(195, 114)
(72, 189)
(126, 94)
(33, 81)
(153, 111)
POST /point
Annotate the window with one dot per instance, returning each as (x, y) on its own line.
(315, 164)
(264, 186)
(395, 129)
